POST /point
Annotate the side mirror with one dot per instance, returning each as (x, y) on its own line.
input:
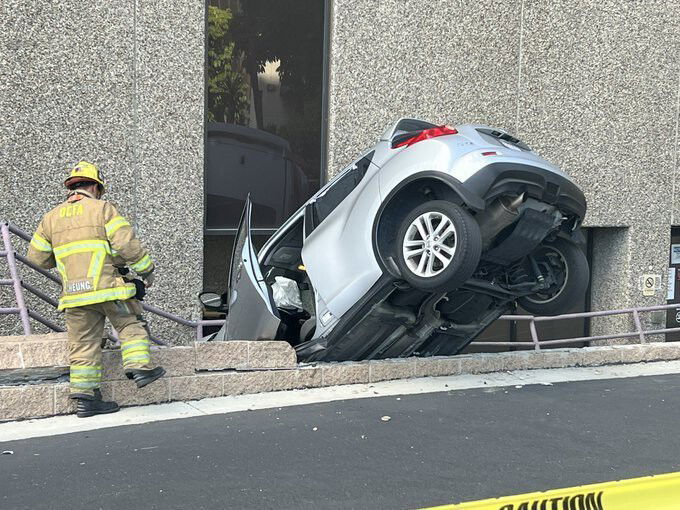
(212, 301)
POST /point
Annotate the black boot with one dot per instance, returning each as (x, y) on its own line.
(144, 377)
(90, 405)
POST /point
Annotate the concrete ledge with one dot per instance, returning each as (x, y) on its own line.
(240, 383)
(37, 351)
(189, 379)
(10, 356)
(19, 402)
(196, 387)
(270, 354)
(244, 355)
(221, 355)
(33, 351)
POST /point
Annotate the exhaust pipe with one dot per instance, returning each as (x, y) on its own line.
(499, 215)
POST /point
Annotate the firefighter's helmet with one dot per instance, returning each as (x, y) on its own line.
(85, 171)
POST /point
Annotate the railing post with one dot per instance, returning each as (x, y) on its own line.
(16, 279)
(199, 330)
(534, 335)
(638, 326)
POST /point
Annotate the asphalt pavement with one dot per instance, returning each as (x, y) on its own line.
(433, 449)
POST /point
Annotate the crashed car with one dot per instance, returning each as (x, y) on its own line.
(413, 249)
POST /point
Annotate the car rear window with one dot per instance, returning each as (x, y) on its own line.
(345, 184)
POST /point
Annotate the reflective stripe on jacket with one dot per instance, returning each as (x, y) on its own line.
(83, 238)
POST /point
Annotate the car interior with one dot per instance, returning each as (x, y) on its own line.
(284, 261)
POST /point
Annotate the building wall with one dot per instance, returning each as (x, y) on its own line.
(120, 83)
(591, 85)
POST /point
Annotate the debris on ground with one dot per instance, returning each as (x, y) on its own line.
(8, 452)
(386, 418)
(315, 429)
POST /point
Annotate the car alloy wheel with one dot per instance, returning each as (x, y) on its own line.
(438, 246)
(430, 244)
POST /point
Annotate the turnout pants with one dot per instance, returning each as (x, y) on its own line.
(85, 326)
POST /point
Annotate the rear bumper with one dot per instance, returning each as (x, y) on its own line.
(512, 178)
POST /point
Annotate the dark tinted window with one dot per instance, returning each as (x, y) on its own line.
(242, 160)
(264, 87)
(264, 97)
(339, 189)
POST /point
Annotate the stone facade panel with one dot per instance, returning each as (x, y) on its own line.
(221, 355)
(30, 401)
(176, 361)
(126, 393)
(334, 374)
(10, 356)
(437, 366)
(196, 387)
(386, 370)
(274, 354)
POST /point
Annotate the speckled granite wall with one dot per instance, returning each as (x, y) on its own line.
(120, 83)
(448, 61)
(592, 85)
(170, 89)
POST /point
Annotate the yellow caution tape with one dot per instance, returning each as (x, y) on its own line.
(661, 492)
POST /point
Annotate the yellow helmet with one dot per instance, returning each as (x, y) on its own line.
(85, 171)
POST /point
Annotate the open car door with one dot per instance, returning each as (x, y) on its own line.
(252, 312)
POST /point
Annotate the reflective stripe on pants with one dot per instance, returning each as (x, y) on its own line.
(85, 331)
(135, 352)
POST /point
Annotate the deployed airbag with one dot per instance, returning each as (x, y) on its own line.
(286, 293)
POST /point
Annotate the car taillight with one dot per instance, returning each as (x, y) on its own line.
(423, 135)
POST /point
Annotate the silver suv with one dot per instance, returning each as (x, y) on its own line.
(413, 249)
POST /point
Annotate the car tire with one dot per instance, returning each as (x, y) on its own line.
(450, 245)
(572, 289)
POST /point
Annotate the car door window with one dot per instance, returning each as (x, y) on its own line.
(337, 192)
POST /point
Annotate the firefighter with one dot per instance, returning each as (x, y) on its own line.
(85, 239)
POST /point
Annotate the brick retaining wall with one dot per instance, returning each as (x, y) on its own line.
(240, 367)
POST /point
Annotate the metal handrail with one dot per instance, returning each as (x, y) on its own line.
(536, 342)
(18, 284)
(15, 278)
(198, 325)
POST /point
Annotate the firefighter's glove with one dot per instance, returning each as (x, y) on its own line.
(140, 288)
(148, 279)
